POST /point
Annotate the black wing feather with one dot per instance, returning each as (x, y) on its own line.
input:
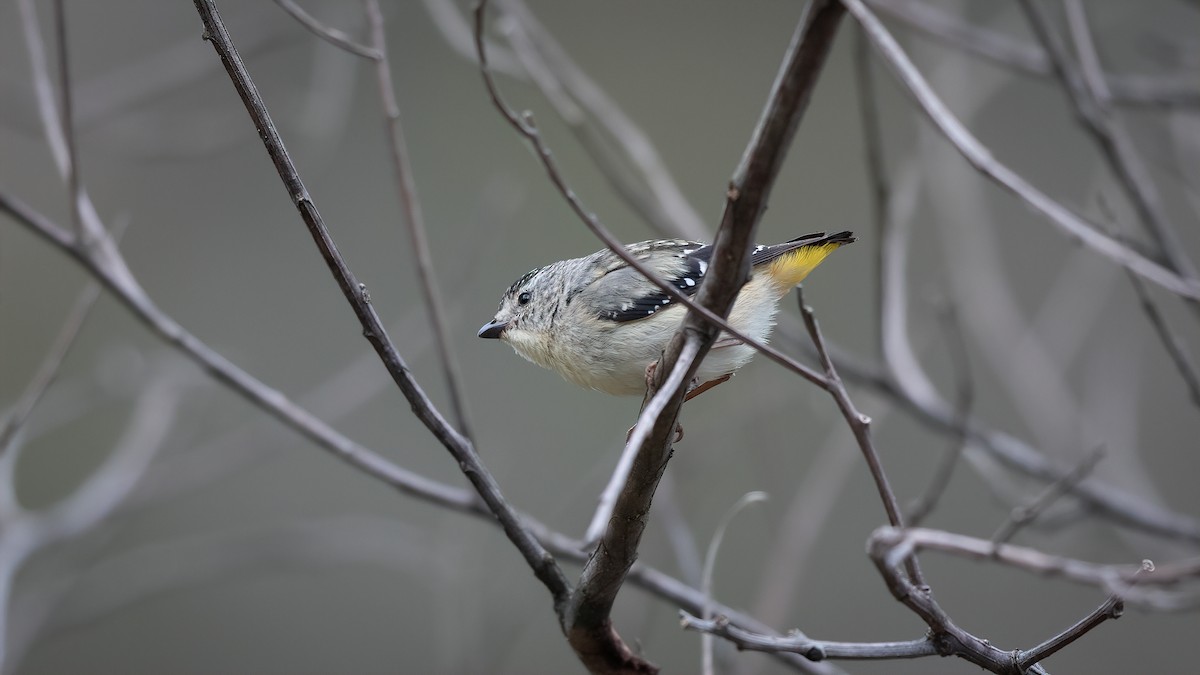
(694, 259)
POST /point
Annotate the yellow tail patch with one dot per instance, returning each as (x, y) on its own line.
(791, 268)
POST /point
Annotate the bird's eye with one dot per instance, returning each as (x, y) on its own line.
(523, 299)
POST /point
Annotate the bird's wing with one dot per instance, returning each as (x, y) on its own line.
(683, 266)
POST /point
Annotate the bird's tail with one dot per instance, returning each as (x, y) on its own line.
(790, 262)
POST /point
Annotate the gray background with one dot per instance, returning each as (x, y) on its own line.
(286, 561)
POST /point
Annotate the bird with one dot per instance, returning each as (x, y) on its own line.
(600, 323)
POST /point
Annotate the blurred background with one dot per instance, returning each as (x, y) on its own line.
(242, 547)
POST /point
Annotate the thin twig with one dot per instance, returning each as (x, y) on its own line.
(48, 371)
(460, 447)
(1171, 342)
(67, 121)
(813, 650)
(415, 220)
(525, 126)
(981, 159)
(649, 188)
(710, 566)
(329, 34)
(1024, 57)
(307, 425)
(1088, 92)
(860, 426)
(964, 399)
(1021, 516)
(1112, 608)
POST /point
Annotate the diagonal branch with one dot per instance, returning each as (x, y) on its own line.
(1023, 57)
(747, 198)
(415, 220)
(460, 447)
(1088, 92)
(982, 159)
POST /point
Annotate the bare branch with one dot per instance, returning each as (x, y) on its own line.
(981, 158)
(814, 650)
(329, 34)
(1024, 57)
(1171, 342)
(1089, 93)
(649, 188)
(48, 371)
(963, 401)
(460, 447)
(67, 121)
(1112, 608)
(710, 565)
(407, 190)
(860, 426)
(270, 400)
(1024, 515)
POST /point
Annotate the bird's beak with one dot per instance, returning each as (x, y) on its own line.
(493, 329)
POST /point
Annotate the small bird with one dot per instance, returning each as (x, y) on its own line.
(600, 324)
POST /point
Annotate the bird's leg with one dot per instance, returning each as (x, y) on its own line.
(701, 388)
(649, 383)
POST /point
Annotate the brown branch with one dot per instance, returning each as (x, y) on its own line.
(747, 198)
(407, 190)
(860, 426)
(979, 157)
(1112, 608)
(460, 447)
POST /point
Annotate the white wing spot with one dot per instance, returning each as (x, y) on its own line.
(703, 267)
(689, 281)
(759, 248)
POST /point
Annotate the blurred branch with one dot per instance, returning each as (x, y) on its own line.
(1171, 342)
(1107, 500)
(415, 220)
(48, 371)
(964, 400)
(1088, 92)
(981, 159)
(331, 35)
(459, 34)
(649, 188)
(710, 565)
(271, 401)
(67, 110)
(1024, 515)
(27, 532)
(460, 447)
(1021, 56)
